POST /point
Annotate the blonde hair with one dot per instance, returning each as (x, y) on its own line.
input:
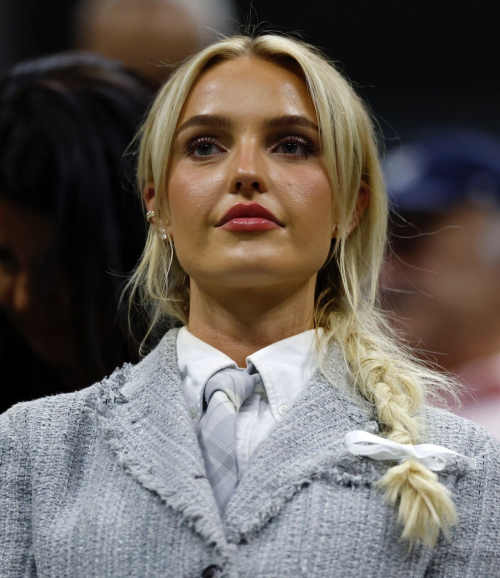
(383, 372)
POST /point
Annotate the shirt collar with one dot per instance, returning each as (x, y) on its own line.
(285, 367)
(197, 361)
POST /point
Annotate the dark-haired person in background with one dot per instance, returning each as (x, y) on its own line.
(70, 230)
(443, 277)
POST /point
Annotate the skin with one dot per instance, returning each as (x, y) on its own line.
(42, 317)
(250, 289)
(450, 303)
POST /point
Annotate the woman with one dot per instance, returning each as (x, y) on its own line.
(70, 229)
(222, 453)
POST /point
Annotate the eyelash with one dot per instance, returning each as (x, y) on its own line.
(198, 141)
(310, 147)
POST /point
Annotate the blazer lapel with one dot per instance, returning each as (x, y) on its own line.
(143, 416)
(306, 444)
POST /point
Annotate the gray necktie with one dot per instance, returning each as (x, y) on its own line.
(224, 393)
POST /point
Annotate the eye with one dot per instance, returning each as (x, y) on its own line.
(296, 146)
(204, 147)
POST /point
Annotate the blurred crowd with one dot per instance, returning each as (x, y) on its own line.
(442, 276)
(72, 227)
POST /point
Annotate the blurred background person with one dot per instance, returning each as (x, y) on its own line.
(151, 36)
(442, 277)
(70, 226)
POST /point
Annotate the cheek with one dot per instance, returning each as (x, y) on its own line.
(191, 196)
(310, 211)
(310, 202)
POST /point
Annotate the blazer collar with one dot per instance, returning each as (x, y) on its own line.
(143, 416)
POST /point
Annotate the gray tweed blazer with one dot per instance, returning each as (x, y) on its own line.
(110, 482)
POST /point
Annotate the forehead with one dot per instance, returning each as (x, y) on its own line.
(249, 88)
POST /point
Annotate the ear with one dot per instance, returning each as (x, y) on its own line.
(165, 229)
(149, 197)
(361, 205)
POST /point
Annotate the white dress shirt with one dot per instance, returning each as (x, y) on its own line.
(285, 367)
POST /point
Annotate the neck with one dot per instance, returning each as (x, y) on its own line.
(240, 322)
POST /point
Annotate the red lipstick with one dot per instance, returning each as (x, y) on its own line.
(248, 217)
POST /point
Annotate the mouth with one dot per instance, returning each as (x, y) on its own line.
(249, 217)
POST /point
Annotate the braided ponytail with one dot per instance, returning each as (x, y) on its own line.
(395, 385)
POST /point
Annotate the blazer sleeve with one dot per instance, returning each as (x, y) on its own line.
(15, 501)
(473, 549)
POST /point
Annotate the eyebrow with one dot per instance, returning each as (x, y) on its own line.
(218, 120)
(290, 120)
(221, 121)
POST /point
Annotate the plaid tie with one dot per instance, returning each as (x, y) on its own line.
(225, 392)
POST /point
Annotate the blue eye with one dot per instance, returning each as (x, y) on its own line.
(295, 146)
(290, 148)
(203, 147)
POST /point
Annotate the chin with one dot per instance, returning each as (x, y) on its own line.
(251, 277)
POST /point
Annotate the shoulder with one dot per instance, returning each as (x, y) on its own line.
(443, 427)
(48, 420)
(468, 439)
(68, 419)
(473, 544)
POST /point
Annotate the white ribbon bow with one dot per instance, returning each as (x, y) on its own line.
(362, 443)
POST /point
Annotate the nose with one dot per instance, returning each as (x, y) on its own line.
(248, 170)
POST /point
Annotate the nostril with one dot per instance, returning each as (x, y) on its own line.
(253, 186)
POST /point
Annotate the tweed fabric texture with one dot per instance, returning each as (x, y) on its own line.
(224, 394)
(110, 482)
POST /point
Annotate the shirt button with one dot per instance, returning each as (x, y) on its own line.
(283, 409)
(193, 411)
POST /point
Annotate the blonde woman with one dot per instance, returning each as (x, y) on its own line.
(279, 431)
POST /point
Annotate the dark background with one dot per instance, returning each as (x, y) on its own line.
(416, 65)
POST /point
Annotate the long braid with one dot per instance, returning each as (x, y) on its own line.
(388, 381)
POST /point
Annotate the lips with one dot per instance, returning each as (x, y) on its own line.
(250, 211)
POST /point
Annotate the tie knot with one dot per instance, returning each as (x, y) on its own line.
(236, 383)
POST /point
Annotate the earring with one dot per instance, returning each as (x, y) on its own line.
(162, 233)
